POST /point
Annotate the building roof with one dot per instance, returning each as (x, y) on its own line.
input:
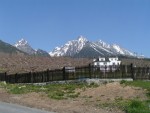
(106, 59)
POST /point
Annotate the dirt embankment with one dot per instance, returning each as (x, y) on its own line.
(12, 63)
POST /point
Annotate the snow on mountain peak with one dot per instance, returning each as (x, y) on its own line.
(70, 48)
(82, 39)
(25, 47)
(118, 49)
(122, 51)
(104, 44)
(21, 42)
(100, 47)
(58, 48)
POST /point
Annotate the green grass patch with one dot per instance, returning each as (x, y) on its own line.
(54, 91)
(119, 102)
(56, 95)
(138, 83)
(138, 106)
(131, 106)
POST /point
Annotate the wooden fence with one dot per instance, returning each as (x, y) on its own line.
(2, 76)
(123, 71)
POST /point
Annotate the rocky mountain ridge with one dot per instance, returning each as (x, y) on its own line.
(81, 47)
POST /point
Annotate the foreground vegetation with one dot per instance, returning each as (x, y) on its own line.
(134, 105)
(138, 106)
(68, 91)
(54, 91)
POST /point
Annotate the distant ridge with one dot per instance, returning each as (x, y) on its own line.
(7, 48)
(24, 46)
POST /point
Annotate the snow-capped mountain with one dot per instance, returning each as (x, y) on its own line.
(122, 51)
(70, 48)
(24, 46)
(84, 48)
(113, 49)
(8, 48)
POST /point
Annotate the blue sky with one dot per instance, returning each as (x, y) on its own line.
(46, 24)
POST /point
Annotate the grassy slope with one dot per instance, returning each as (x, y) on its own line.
(137, 106)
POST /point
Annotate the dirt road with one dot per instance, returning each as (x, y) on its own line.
(13, 108)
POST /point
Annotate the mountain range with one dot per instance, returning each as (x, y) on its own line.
(24, 46)
(81, 47)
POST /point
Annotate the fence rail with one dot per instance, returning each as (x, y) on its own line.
(122, 71)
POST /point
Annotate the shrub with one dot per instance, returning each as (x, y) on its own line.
(93, 84)
(122, 81)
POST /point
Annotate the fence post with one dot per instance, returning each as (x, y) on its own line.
(5, 77)
(16, 78)
(42, 77)
(90, 71)
(64, 73)
(132, 72)
(149, 73)
(52, 75)
(47, 75)
(31, 77)
(105, 72)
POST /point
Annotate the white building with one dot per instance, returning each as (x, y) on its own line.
(106, 63)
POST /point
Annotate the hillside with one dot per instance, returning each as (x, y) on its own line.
(13, 63)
